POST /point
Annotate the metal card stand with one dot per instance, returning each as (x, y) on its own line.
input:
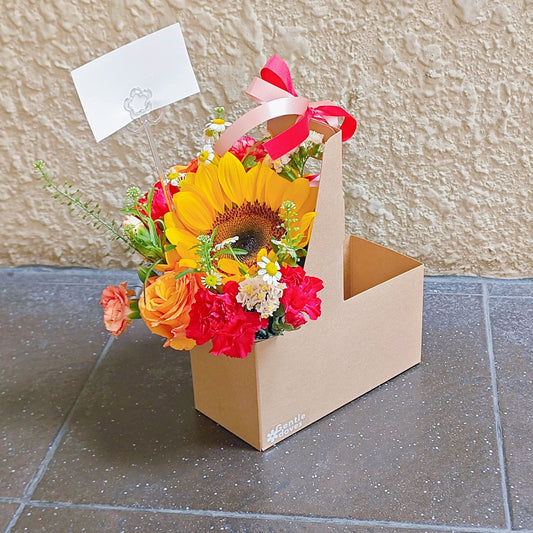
(139, 105)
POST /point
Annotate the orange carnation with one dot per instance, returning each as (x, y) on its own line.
(116, 304)
(165, 306)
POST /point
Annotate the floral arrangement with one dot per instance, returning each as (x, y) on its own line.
(222, 244)
(223, 239)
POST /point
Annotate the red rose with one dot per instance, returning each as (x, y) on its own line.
(300, 296)
(221, 318)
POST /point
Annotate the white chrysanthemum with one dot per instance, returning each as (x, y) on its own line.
(257, 295)
(269, 270)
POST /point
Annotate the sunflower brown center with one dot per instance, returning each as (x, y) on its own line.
(255, 224)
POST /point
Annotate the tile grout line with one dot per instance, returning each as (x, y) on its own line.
(41, 469)
(496, 409)
(439, 527)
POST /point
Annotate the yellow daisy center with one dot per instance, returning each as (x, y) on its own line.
(211, 281)
(219, 121)
(255, 224)
(203, 156)
(271, 269)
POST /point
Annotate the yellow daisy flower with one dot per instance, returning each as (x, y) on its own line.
(238, 204)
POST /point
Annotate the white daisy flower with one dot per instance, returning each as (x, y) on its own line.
(214, 129)
(225, 243)
(269, 270)
(206, 156)
(212, 280)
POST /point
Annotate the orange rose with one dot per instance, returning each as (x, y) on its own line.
(165, 305)
(116, 303)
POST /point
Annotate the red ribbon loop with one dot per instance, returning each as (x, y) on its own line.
(278, 98)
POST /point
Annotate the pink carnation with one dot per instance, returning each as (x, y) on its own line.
(243, 148)
(116, 304)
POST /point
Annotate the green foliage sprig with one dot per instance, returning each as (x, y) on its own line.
(67, 195)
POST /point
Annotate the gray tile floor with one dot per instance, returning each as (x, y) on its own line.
(101, 435)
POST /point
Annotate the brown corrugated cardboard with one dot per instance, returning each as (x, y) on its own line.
(370, 331)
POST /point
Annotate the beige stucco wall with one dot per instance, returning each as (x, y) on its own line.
(440, 167)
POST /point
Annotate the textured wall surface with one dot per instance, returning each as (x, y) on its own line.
(439, 169)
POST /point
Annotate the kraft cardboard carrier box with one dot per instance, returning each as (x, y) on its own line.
(370, 330)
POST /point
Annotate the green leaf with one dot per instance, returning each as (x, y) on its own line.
(249, 162)
(185, 272)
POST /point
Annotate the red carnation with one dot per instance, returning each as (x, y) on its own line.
(300, 296)
(221, 318)
(244, 147)
(159, 202)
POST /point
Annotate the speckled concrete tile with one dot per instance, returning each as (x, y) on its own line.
(46, 520)
(418, 449)
(39, 275)
(51, 337)
(512, 332)
(507, 287)
(452, 285)
(6, 512)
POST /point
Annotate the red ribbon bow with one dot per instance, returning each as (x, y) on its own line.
(276, 93)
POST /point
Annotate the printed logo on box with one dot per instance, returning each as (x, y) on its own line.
(286, 428)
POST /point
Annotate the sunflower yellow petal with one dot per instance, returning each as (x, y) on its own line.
(229, 266)
(177, 235)
(264, 173)
(252, 177)
(310, 202)
(248, 186)
(193, 211)
(185, 251)
(261, 253)
(208, 187)
(306, 225)
(297, 192)
(275, 190)
(170, 220)
(188, 263)
(231, 175)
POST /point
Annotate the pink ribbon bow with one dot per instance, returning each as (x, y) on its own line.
(278, 98)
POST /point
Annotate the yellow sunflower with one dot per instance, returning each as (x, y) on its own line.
(238, 204)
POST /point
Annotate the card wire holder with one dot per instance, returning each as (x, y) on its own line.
(139, 106)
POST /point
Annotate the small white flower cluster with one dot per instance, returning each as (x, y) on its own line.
(278, 164)
(314, 138)
(256, 294)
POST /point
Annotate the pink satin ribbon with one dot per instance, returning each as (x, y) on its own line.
(278, 98)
